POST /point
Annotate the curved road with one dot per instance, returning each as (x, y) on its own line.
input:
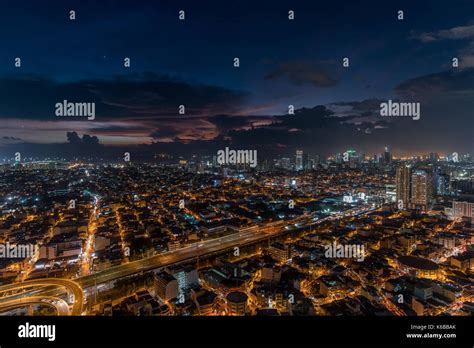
(61, 306)
(70, 285)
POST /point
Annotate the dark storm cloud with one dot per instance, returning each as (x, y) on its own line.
(359, 112)
(358, 115)
(318, 130)
(74, 139)
(75, 146)
(144, 95)
(301, 73)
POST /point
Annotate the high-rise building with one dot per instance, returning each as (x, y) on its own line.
(387, 156)
(299, 160)
(421, 189)
(305, 161)
(442, 184)
(403, 183)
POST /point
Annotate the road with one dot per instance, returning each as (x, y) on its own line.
(61, 306)
(69, 285)
(89, 245)
(205, 247)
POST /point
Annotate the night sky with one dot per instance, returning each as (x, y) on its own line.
(190, 62)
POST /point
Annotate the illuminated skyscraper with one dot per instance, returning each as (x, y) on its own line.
(387, 156)
(442, 184)
(421, 189)
(403, 182)
(299, 159)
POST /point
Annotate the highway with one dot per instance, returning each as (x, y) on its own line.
(205, 247)
(69, 285)
(61, 306)
(189, 252)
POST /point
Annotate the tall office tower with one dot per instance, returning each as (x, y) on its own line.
(421, 189)
(387, 156)
(442, 184)
(305, 161)
(403, 183)
(299, 159)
